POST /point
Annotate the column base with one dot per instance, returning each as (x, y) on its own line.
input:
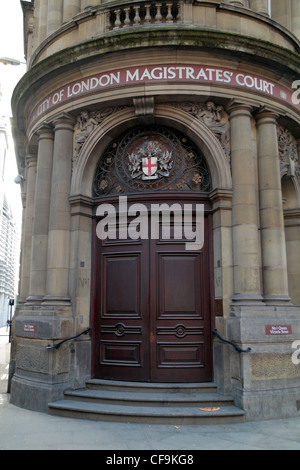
(50, 300)
(277, 299)
(247, 299)
(34, 300)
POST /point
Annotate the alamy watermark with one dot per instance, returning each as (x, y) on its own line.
(296, 344)
(296, 353)
(296, 94)
(157, 221)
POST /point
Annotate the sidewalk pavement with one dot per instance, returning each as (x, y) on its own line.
(27, 430)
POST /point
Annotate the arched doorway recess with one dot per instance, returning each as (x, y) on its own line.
(152, 289)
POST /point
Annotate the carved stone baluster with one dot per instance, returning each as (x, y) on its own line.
(127, 19)
(137, 18)
(179, 15)
(148, 15)
(169, 16)
(118, 20)
(158, 16)
(109, 23)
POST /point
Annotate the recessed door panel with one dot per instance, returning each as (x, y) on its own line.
(178, 281)
(152, 316)
(121, 289)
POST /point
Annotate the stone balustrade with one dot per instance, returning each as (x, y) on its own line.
(65, 25)
(144, 14)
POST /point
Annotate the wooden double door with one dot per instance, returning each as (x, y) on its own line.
(152, 310)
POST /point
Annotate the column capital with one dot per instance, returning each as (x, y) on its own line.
(64, 121)
(45, 131)
(266, 116)
(236, 109)
(31, 160)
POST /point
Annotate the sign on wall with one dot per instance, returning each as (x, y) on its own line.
(165, 74)
(276, 330)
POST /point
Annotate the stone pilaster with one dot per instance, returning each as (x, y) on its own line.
(296, 17)
(261, 6)
(57, 288)
(274, 262)
(246, 247)
(54, 15)
(71, 8)
(41, 216)
(31, 163)
(41, 375)
(43, 16)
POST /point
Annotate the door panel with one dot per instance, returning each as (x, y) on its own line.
(121, 289)
(122, 310)
(152, 311)
(177, 277)
(180, 294)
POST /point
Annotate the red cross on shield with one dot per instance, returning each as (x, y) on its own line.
(149, 166)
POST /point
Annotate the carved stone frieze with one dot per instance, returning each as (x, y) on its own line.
(287, 146)
(86, 123)
(214, 117)
(288, 154)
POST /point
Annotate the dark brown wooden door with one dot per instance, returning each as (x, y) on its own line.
(152, 318)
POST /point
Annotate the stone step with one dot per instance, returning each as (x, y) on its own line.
(150, 387)
(149, 399)
(148, 403)
(145, 414)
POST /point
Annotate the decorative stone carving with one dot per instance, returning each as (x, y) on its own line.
(144, 106)
(287, 145)
(151, 159)
(85, 124)
(214, 117)
(288, 154)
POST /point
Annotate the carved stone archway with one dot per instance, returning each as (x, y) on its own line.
(103, 133)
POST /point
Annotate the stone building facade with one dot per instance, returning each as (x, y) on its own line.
(206, 93)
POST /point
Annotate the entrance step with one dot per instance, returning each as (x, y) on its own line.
(104, 400)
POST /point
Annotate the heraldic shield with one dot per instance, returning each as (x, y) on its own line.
(149, 167)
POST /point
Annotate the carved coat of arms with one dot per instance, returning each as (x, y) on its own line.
(150, 161)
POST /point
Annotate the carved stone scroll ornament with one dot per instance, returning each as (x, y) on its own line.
(214, 117)
(85, 124)
(288, 154)
(287, 146)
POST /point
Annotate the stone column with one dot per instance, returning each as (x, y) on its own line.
(280, 12)
(246, 247)
(71, 8)
(41, 216)
(31, 162)
(43, 16)
(274, 260)
(261, 6)
(296, 18)
(60, 219)
(55, 15)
